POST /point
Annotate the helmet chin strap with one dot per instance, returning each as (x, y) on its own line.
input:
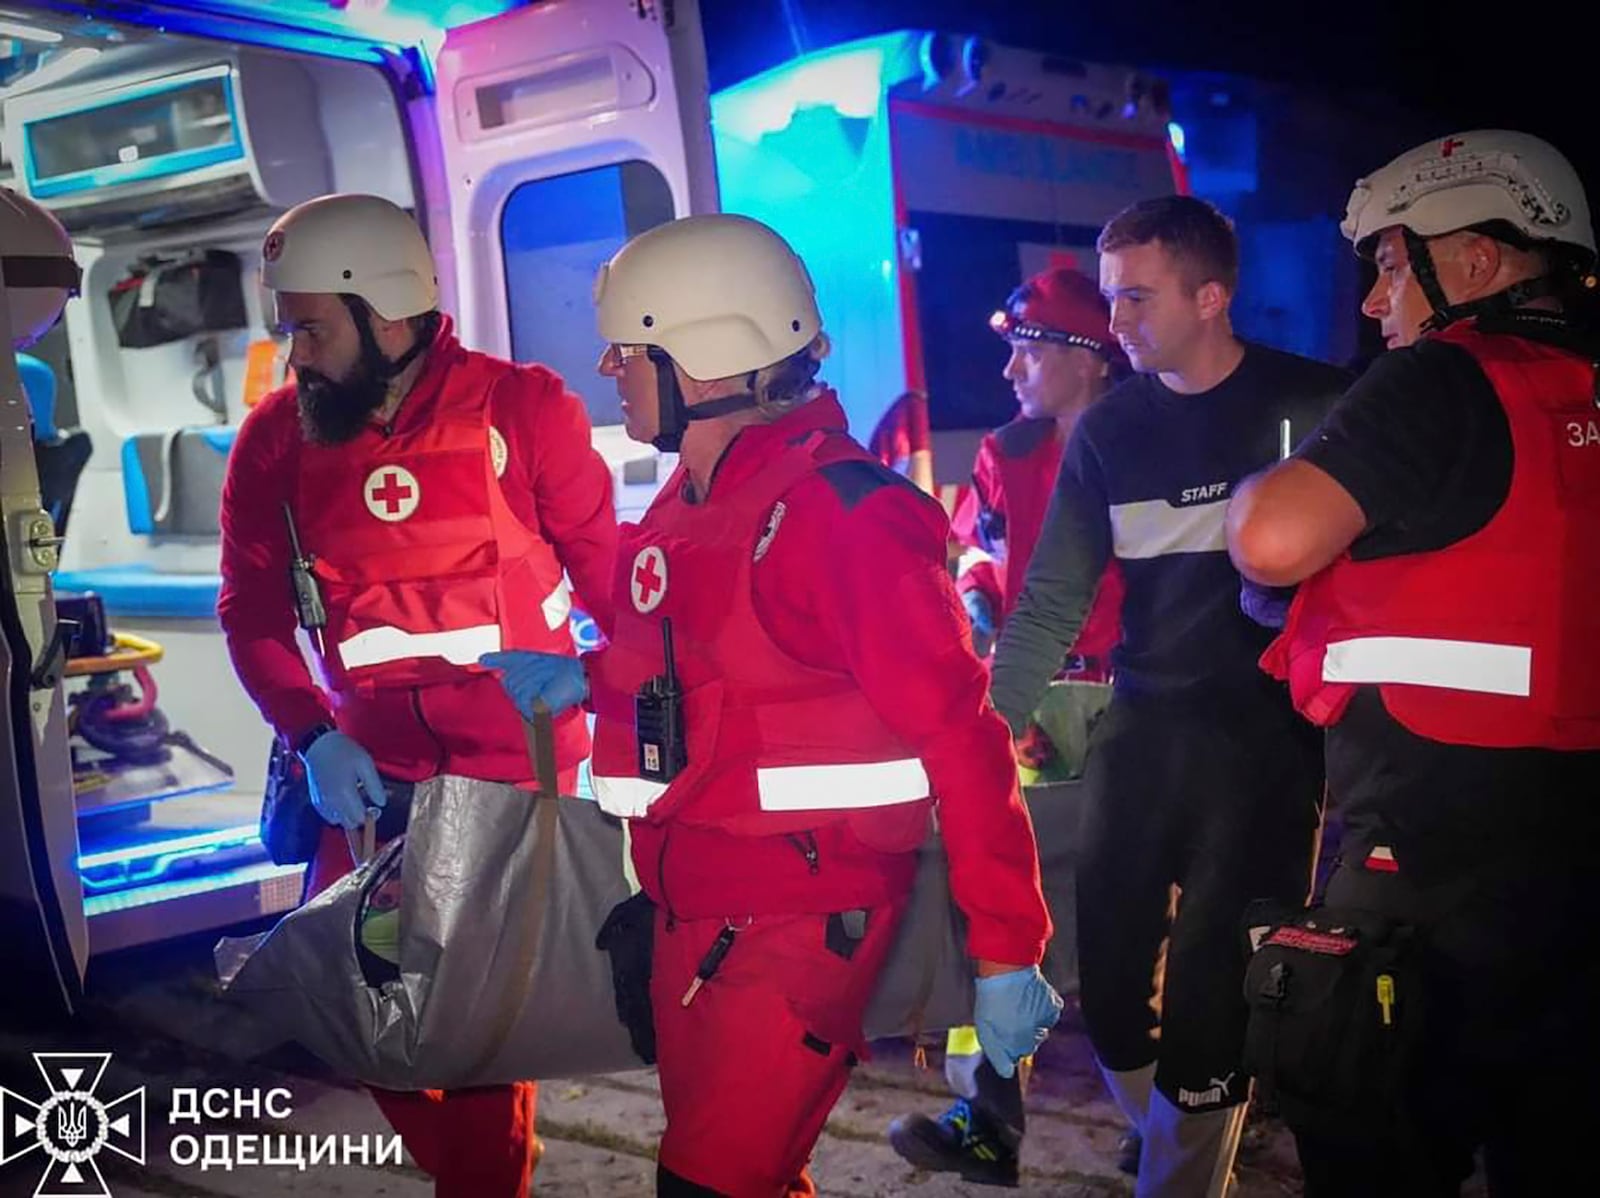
(722, 405)
(674, 412)
(381, 367)
(1444, 312)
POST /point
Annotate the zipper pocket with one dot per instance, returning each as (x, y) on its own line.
(807, 848)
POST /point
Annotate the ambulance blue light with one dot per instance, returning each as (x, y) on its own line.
(805, 148)
(148, 896)
(178, 846)
(1179, 146)
(848, 80)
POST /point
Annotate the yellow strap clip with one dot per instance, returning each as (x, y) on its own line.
(1386, 998)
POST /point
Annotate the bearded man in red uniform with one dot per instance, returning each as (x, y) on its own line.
(826, 690)
(440, 494)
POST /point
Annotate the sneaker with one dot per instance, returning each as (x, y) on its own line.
(1128, 1149)
(958, 1141)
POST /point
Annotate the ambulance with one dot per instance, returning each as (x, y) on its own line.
(920, 174)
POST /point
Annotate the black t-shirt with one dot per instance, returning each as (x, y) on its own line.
(1423, 445)
(1146, 478)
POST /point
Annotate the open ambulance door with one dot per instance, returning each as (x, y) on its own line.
(42, 921)
(565, 128)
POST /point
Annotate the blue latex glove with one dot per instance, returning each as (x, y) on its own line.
(1012, 1014)
(1267, 606)
(554, 679)
(344, 780)
(979, 612)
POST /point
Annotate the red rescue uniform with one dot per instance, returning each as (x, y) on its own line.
(552, 508)
(486, 474)
(1458, 654)
(829, 691)
(1000, 517)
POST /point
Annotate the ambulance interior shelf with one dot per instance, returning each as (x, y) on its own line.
(124, 752)
(163, 844)
(172, 478)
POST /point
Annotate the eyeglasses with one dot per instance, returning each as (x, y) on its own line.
(616, 355)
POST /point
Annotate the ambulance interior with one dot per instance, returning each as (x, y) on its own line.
(920, 176)
(167, 159)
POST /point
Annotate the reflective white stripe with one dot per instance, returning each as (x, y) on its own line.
(972, 556)
(557, 606)
(831, 787)
(1424, 661)
(1154, 528)
(790, 787)
(625, 797)
(458, 646)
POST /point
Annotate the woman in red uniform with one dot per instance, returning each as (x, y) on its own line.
(827, 692)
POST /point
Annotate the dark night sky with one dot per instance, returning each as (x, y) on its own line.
(1464, 74)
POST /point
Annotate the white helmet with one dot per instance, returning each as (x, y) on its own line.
(356, 245)
(723, 295)
(1470, 178)
(37, 265)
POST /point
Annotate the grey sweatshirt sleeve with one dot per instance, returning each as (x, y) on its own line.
(1065, 569)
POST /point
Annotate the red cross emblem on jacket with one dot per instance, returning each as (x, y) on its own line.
(648, 583)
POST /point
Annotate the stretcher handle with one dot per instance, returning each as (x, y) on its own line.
(541, 734)
(366, 848)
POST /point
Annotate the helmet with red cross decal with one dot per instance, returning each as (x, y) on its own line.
(349, 244)
(1471, 179)
(1512, 187)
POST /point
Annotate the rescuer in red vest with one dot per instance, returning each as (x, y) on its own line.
(1444, 527)
(1063, 358)
(778, 769)
(439, 494)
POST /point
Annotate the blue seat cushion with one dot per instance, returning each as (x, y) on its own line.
(147, 458)
(138, 589)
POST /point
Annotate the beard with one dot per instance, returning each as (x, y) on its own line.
(333, 411)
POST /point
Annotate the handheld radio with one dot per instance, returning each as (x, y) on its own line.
(308, 606)
(658, 720)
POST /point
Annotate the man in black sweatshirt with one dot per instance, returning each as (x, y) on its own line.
(1203, 786)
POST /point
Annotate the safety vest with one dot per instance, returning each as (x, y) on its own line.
(774, 745)
(1027, 454)
(422, 563)
(1491, 641)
